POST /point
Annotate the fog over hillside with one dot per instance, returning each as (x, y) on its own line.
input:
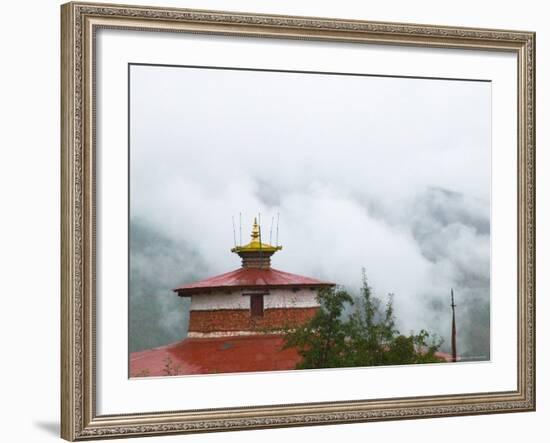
(389, 174)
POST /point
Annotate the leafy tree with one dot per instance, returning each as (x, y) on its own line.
(322, 341)
(368, 337)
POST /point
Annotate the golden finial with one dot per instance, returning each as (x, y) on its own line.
(255, 231)
(255, 243)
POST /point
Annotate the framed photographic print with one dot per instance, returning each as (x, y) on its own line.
(282, 221)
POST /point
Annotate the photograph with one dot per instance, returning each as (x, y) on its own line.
(277, 221)
(284, 220)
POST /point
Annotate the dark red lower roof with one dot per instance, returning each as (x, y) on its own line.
(252, 278)
(215, 355)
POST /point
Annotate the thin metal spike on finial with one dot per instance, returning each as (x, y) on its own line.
(240, 229)
(234, 234)
(260, 236)
(260, 229)
(271, 230)
(277, 235)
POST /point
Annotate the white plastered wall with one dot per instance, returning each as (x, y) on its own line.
(277, 298)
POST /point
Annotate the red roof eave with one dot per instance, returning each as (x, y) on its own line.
(251, 278)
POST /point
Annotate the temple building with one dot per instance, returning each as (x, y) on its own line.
(251, 299)
(236, 319)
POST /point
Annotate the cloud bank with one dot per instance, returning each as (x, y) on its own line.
(389, 174)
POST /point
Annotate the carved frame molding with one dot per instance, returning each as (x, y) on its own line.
(79, 23)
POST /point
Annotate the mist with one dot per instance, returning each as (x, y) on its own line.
(389, 174)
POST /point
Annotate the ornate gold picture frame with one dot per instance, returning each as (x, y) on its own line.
(79, 389)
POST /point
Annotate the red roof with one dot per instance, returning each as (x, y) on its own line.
(219, 355)
(252, 278)
(215, 355)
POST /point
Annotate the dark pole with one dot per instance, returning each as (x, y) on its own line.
(453, 332)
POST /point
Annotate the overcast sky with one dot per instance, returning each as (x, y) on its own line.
(390, 174)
